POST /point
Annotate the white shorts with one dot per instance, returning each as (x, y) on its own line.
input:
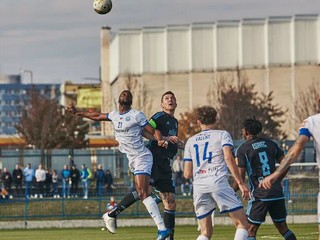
(141, 163)
(205, 203)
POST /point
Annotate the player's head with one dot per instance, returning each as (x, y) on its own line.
(168, 101)
(125, 98)
(207, 115)
(251, 126)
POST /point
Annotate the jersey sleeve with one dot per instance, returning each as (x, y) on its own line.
(187, 153)
(142, 119)
(241, 158)
(306, 128)
(226, 139)
(110, 115)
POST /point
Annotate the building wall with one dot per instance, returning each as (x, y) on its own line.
(279, 54)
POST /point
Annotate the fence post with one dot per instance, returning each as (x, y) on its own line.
(26, 211)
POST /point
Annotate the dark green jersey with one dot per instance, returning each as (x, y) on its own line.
(168, 126)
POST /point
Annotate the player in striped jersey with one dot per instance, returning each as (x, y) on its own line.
(207, 157)
(310, 127)
(128, 125)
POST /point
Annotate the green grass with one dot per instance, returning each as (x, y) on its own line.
(302, 231)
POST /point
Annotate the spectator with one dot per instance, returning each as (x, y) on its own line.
(55, 184)
(48, 183)
(28, 174)
(100, 177)
(65, 174)
(6, 181)
(177, 171)
(109, 181)
(186, 183)
(17, 176)
(75, 177)
(40, 181)
(84, 179)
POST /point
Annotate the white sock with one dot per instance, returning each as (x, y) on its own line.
(241, 234)
(201, 237)
(154, 212)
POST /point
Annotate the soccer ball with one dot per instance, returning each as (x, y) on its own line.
(102, 6)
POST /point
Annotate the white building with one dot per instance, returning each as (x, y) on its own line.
(279, 54)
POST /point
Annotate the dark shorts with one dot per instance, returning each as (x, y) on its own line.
(257, 211)
(161, 175)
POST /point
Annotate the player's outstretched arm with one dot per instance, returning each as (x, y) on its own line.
(235, 172)
(289, 158)
(96, 116)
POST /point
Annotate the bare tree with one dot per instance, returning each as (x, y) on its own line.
(306, 103)
(141, 96)
(235, 103)
(45, 126)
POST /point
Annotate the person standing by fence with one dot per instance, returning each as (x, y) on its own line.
(65, 174)
(55, 184)
(40, 181)
(109, 181)
(17, 177)
(100, 177)
(28, 174)
(84, 174)
(7, 180)
(75, 177)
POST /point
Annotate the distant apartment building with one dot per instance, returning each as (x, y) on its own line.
(14, 96)
(278, 54)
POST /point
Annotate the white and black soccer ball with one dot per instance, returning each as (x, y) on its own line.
(102, 6)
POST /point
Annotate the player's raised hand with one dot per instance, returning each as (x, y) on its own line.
(71, 108)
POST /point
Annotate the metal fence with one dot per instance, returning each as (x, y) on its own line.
(301, 187)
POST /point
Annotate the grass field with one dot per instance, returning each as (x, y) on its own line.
(302, 231)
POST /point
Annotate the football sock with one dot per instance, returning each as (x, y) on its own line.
(201, 237)
(251, 238)
(241, 234)
(169, 221)
(154, 212)
(125, 202)
(156, 198)
(288, 235)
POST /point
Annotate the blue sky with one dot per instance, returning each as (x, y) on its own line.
(59, 40)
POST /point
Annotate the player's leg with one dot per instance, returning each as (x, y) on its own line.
(162, 181)
(239, 220)
(278, 214)
(204, 205)
(169, 203)
(228, 202)
(142, 186)
(206, 228)
(252, 231)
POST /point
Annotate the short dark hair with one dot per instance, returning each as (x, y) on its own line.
(166, 93)
(252, 126)
(206, 114)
